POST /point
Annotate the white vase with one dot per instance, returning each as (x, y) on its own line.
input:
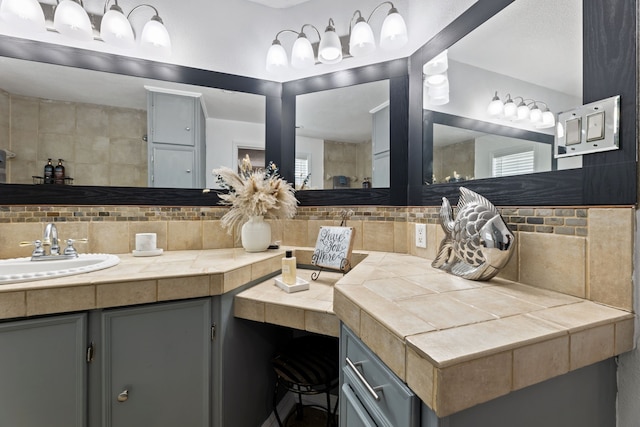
(256, 234)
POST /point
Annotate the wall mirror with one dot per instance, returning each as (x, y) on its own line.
(342, 137)
(97, 123)
(504, 55)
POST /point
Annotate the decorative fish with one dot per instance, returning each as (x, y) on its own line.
(477, 243)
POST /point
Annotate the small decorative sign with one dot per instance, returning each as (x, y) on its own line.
(333, 248)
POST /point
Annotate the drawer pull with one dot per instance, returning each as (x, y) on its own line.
(372, 390)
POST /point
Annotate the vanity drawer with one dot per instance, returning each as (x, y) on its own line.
(384, 396)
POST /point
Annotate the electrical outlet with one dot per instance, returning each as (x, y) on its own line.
(421, 235)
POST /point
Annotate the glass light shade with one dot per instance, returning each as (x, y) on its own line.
(496, 107)
(439, 100)
(72, 20)
(302, 53)
(560, 130)
(362, 41)
(155, 37)
(22, 15)
(393, 34)
(330, 49)
(439, 91)
(276, 58)
(548, 120)
(116, 30)
(510, 109)
(535, 115)
(437, 65)
(523, 111)
(436, 80)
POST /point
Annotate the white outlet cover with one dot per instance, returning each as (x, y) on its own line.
(421, 235)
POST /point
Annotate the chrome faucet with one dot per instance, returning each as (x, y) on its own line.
(50, 238)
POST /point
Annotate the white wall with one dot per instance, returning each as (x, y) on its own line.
(223, 137)
(315, 148)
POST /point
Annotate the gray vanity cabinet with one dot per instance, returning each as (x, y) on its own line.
(156, 363)
(43, 372)
(176, 141)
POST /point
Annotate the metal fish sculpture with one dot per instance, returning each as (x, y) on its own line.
(477, 243)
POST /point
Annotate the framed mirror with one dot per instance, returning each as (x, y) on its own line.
(496, 63)
(342, 137)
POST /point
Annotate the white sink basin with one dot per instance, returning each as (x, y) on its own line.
(24, 270)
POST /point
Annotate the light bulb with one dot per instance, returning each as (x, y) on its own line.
(535, 115)
(155, 37)
(510, 109)
(496, 107)
(523, 111)
(437, 65)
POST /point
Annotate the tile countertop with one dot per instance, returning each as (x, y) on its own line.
(458, 343)
(137, 280)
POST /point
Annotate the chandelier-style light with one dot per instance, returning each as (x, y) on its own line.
(393, 35)
(71, 19)
(536, 113)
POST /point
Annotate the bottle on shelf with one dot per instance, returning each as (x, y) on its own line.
(48, 173)
(58, 173)
(289, 272)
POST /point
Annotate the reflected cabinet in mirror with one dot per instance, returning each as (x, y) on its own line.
(520, 70)
(342, 138)
(117, 130)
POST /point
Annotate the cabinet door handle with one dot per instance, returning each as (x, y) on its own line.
(188, 170)
(187, 128)
(122, 397)
(372, 390)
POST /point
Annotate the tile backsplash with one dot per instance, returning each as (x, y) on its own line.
(581, 251)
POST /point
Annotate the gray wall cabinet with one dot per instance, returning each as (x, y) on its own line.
(43, 372)
(176, 130)
(157, 365)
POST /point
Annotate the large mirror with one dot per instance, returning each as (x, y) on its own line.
(530, 52)
(97, 123)
(342, 137)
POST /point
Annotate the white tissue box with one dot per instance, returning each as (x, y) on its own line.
(301, 285)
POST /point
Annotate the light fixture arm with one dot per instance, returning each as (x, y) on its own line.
(156, 17)
(312, 26)
(393, 9)
(284, 31)
(115, 6)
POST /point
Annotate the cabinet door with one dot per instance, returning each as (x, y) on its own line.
(173, 167)
(157, 365)
(352, 413)
(43, 371)
(173, 119)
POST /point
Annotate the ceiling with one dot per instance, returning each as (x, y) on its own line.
(543, 34)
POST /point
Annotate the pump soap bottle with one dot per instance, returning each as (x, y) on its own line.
(289, 268)
(58, 173)
(48, 173)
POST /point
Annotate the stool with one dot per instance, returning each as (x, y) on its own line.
(307, 365)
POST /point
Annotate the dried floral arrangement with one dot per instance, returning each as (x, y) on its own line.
(260, 192)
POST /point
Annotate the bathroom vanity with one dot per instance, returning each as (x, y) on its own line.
(95, 349)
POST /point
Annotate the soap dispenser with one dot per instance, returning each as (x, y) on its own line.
(58, 173)
(289, 272)
(48, 173)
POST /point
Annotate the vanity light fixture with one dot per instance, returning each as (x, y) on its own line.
(393, 35)
(71, 19)
(537, 113)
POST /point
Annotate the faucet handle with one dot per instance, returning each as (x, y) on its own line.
(70, 250)
(38, 250)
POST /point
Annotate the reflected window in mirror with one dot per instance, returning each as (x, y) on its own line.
(342, 137)
(499, 56)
